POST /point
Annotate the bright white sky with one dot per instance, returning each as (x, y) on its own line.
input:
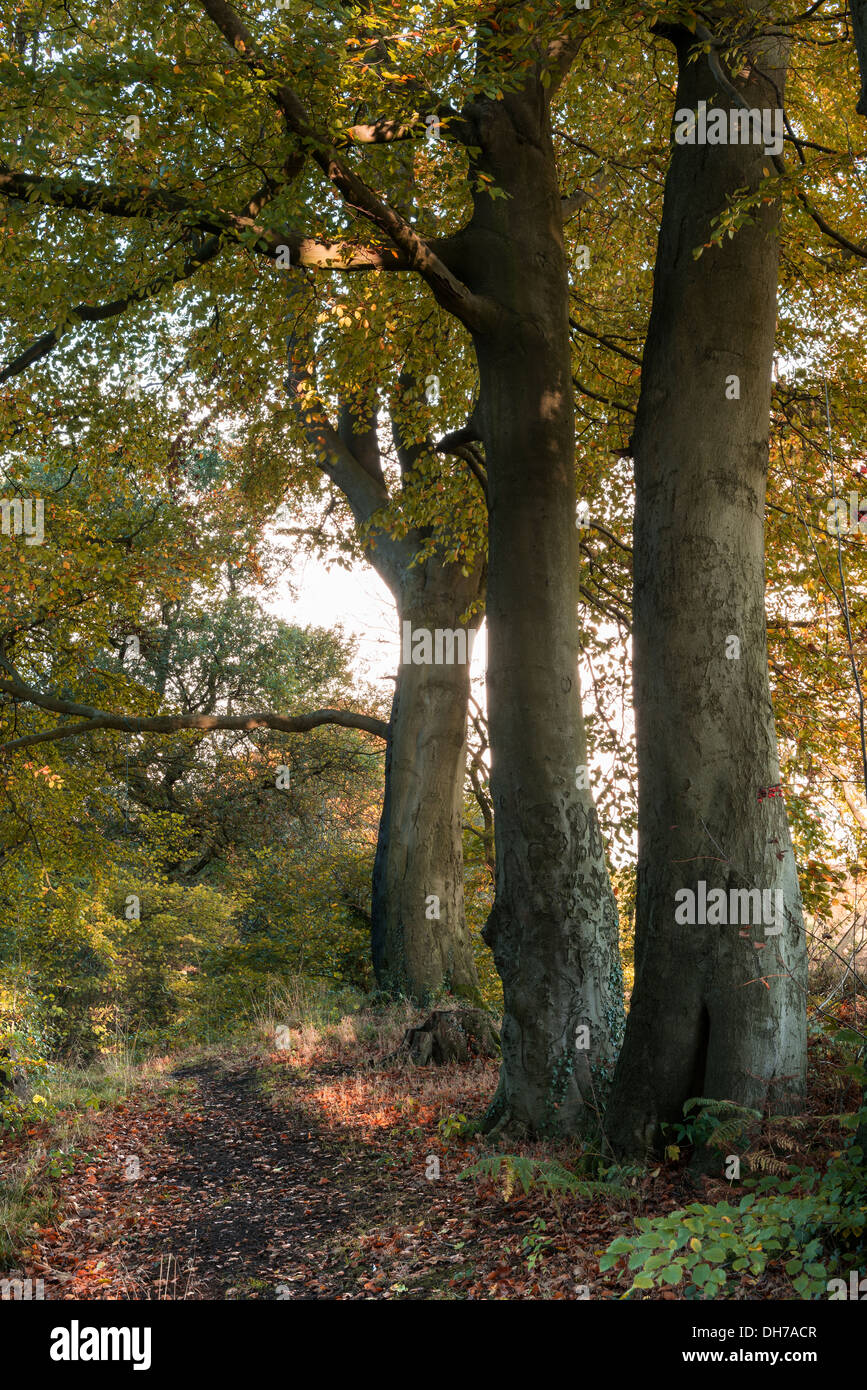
(358, 600)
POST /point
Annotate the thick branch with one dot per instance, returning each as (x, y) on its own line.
(232, 226)
(364, 489)
(83, 195)
(364, 492)
(563, 50)
(475, 311)
(173, 723)
(468, 453)
(573, 203)
(383, 131)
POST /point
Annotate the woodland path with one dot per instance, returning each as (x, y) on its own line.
(262, 1179)
(235, 1198)
(259, 1196)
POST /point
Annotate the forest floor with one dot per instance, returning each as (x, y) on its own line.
(312, 1174)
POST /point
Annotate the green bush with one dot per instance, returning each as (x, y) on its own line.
(801, 1226)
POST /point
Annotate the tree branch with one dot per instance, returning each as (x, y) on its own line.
(98, 313)
(80, 195)
(475, 311)
(777, 160)
(383, 131)
(573, 202)
(469, 454)
(563, 50)
(604, 342)
(228, 226)
(365, 492)
(173, 723)
(83, 195)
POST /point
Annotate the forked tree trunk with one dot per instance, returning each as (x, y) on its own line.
(553, 928)
(421, 944)
(717, 1010)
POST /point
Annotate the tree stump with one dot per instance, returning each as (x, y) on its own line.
(12, 1081)
(452, 1035)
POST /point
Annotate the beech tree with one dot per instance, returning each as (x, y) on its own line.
(420, 940)
(419, 859)
(502, 275)
(712, 815)
(421, 831)
(705, 733)
(267, 135)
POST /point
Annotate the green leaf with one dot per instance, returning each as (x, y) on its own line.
(620, 1246)
(655, 1262)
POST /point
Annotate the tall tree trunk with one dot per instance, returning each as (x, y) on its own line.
(553, 928)
(717, 1010)
(421, 944)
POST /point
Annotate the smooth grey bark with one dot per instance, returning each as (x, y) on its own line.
(553, 928)
(422, 947)
(717, 1010)
(419, 852)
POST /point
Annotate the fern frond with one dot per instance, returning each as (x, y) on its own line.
(766, 1162)
(546, 1175)
(784, 1141)
(720, 1107)
(726, 1133)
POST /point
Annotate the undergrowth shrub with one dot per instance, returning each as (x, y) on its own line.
(805, 1224)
